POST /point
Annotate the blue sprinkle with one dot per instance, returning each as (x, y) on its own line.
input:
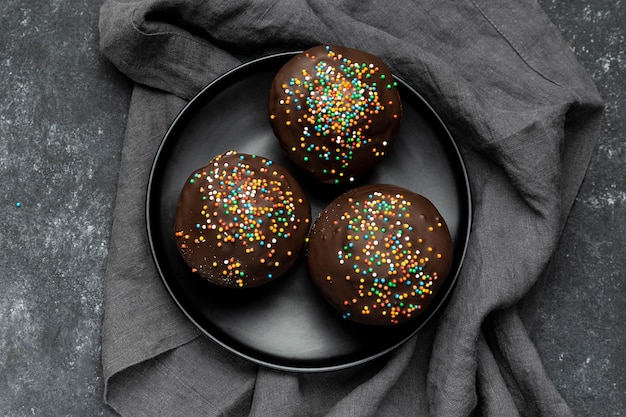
(18, 204)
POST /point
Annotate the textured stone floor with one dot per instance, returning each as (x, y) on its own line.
(62, 119)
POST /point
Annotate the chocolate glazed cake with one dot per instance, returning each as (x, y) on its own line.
(241, 221)
(336, 112)
(378, 253)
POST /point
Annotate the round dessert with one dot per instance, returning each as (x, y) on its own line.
(336, 112)
(241, 221)
(378, 254)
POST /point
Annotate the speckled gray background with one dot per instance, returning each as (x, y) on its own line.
(62, 118)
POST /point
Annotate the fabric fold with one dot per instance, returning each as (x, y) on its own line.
(526, 118)
(134, 295)
(509, 343)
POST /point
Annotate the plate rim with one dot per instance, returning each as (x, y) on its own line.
(467, 222)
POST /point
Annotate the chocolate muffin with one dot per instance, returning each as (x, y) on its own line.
(378, 253)
(336, 112)
(241, 220)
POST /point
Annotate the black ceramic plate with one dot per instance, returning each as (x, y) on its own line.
(286, 324)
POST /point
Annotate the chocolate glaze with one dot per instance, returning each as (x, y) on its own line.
(336, 112)
(378, 253)
(241, 221)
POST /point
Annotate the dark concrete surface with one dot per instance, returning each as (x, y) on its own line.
(62, 119)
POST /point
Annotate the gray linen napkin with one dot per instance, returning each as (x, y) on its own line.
(526, 118)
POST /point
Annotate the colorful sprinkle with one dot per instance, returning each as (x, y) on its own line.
(392, 268)
(339, 101)
(245, 208)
